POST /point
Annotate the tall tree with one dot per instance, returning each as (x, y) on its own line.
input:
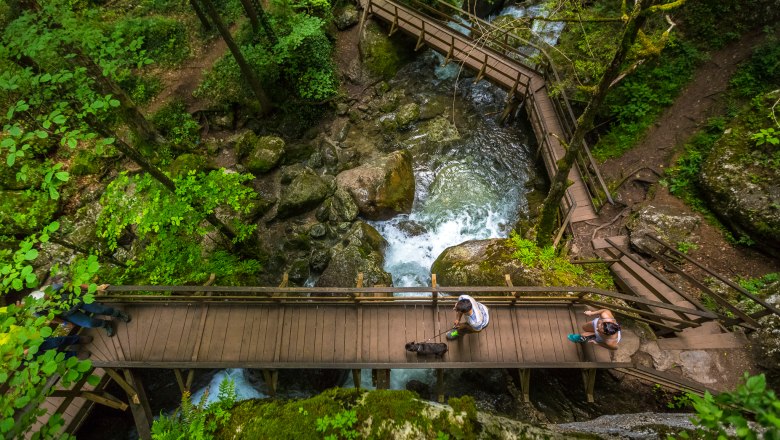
(634, 21)
(246, 70)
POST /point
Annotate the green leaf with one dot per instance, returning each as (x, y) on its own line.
(93, 380)
(59, 119)
(41, 134)
(8, 142)
(31, 254)
(17, 284)
(62, 175)
(7, 424)
(83, 367)
(72, 142)
(10, 159)
(46, 332)
(45, 78)
(93, 267)
(49, 367)
(53, 193)
(114, 103)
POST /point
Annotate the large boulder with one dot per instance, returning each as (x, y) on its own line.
(381, 55)
(482, 263)
(184, 163)
(663, 222)
(346, 16)
(742, 189)
(383, 187)
(360, 251)
(340, 207)
(304, 192)
(260, 154)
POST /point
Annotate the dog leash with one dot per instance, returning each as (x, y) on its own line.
(436, 336)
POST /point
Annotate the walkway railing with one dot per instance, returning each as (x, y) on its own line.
(494, 296)
(505, 42)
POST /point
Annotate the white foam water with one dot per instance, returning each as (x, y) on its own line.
(244, 389)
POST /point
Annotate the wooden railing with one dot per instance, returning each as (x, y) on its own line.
(671, 259)
(505, 42)
(494, 296)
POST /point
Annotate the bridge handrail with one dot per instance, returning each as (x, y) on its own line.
(513, 296)
(562, 106)
(498, 56)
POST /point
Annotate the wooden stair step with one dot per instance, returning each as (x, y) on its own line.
(703, 341)
(601, 243)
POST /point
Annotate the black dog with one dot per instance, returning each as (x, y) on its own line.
(427, 348)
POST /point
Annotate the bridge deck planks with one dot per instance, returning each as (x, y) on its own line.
(327, 335)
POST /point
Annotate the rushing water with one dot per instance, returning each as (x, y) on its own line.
(468, 189)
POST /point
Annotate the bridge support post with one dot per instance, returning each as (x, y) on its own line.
(381, 378)
(522, 377)
(271, 378)
(142, 414)
(589, 377)
(356, 378)
(440, 385)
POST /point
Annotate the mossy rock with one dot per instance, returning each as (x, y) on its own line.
(382, 187)
(184, 163)
(345, 16)
(381, 55)
(305, 191)
(407, 114)
(34, 175)
(260, 154)
(482, 263)
(85, 163)
(25, 212)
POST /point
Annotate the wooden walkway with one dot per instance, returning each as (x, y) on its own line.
(346, 336)
(504, 71)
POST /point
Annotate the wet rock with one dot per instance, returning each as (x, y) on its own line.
(345, 17)
(81, 228)
(318, 230)
(407, 114)
(434, 106)
(340, 207)
(360, 251)
(304, 192)
(298, 271)
(319, 260)
(663, 222)
(411, 228)
(260, 154)
(383, 187)
(435, 131)
(481, 263)
(340, 129)
(342, 108)
(631, 426)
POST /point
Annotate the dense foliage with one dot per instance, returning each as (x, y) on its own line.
(196, 421)
(750, 412)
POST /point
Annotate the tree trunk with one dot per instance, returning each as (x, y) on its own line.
(136, 156)
(584, 124)
(246, 70)
(204, 21)
(263, 17)
(250, 12)
(132, 115)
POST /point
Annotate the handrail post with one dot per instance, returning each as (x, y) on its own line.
(508, 281)
(358, 284)
(434, 292)
(420, 38)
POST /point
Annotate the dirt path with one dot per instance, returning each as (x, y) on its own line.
(642, 166)
(181, 82)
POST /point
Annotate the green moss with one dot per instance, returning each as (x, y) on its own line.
(380, 54)
(25, 212)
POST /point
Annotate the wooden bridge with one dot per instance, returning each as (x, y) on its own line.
(487, 51)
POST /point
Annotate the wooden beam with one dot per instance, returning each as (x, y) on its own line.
(142, 414)
(440, 385)
(508, 281)
(420, 38)
(381, 378)
(285, 280)
(190, 377)
(101, 397)
(589, 377)
(394, 26)
(179, 380)
(481, 73)
(356, 377)
(450, 51)
(131, 392)
(525, 383)
(271, 378)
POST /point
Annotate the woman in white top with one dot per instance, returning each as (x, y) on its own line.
(477, 317)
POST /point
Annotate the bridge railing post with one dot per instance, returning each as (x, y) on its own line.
(434, 293)
(508, 281)
(358, 284)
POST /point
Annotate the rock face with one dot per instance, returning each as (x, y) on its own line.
(360, 251)
(664, 223)
(743, 192)
(381, 55)
(345, 17)
(304, 192)
(260, 154)
(765, 343)
(383, 187)
(481, 263)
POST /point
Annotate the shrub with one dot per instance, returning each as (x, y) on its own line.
(178, 126)
(164, 39)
